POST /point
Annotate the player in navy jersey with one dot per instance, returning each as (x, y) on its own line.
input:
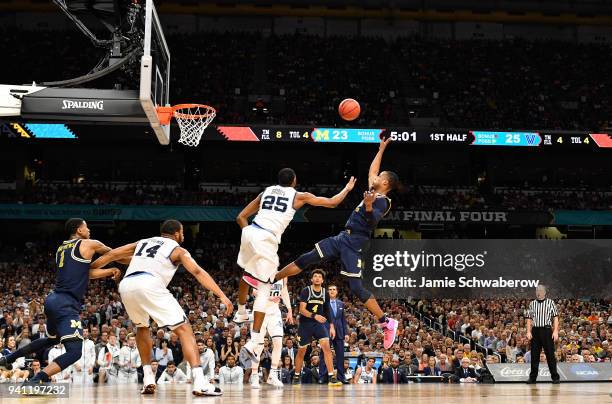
(315, 313)
(63, 304)
(349, 244)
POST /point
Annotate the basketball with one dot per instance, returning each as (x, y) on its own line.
(349, 109)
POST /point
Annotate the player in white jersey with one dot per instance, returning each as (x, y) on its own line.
(275, 208)
(145, 295)
(273, 326)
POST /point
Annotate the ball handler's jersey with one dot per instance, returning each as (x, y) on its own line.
(276, 209)
(153, 255)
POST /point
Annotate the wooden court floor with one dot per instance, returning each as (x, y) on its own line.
(584, 393)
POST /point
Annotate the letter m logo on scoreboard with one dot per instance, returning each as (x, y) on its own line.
(320, 135)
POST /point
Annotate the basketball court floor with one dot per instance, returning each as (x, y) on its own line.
(591, 393)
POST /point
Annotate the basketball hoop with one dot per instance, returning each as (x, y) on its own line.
(193, 119)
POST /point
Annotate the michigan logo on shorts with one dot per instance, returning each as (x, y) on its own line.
(75, 324)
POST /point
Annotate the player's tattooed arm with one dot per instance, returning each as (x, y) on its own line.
(181, 255)
(306, 198)
(116, 255)
(243, 217)
(375, 166)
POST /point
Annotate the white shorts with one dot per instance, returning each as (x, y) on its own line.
(273, 325)
(258, 254)
(145, 296)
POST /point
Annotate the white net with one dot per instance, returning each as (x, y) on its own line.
(193, 120)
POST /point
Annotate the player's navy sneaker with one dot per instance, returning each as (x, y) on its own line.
(297, 380)
(334, 382)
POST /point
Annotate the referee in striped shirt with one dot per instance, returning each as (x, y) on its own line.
(543, 331)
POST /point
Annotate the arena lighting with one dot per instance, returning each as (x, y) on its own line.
(49, 131)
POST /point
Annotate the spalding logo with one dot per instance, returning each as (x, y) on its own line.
(72, 104)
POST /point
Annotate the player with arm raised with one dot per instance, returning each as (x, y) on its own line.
(145, 295)
(258, 256)
(348, 245)
(63, 304)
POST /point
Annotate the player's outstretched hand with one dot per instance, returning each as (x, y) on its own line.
(229, 306)
(384, 143)
(350, 184)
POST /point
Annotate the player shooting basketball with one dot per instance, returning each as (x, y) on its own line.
(348, 245)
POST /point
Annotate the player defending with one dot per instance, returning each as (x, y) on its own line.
(63, 304)
(348, 245)
(273, 325)
(145, 295)
(314, 313)
(275, 208)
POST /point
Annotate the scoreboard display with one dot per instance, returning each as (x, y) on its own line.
(471, 138)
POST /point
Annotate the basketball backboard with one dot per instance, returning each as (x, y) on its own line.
(144, 51)
(155, 72)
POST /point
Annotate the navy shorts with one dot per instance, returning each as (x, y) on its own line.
(347, 247)
(309, 330)
(63, 319)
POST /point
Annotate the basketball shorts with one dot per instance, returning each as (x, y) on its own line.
(63, 316)
(347, 247)
(258, 254)
(309, 330)
(145, 297)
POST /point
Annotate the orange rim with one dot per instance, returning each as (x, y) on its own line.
(164, 114)
(208, 111)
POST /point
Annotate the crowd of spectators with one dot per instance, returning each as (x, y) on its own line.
(300, 79)
(418, 197)
(494, 329)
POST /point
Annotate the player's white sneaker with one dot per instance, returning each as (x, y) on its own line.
(255, 381)
(274, 378)
(250, 349)
(206, 389)
(243, 317)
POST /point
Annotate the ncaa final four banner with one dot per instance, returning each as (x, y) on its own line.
(488, 268)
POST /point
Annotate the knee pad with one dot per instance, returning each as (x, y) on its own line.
(308, 259)
(263, 295)
(74, 349)
(358, 290)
